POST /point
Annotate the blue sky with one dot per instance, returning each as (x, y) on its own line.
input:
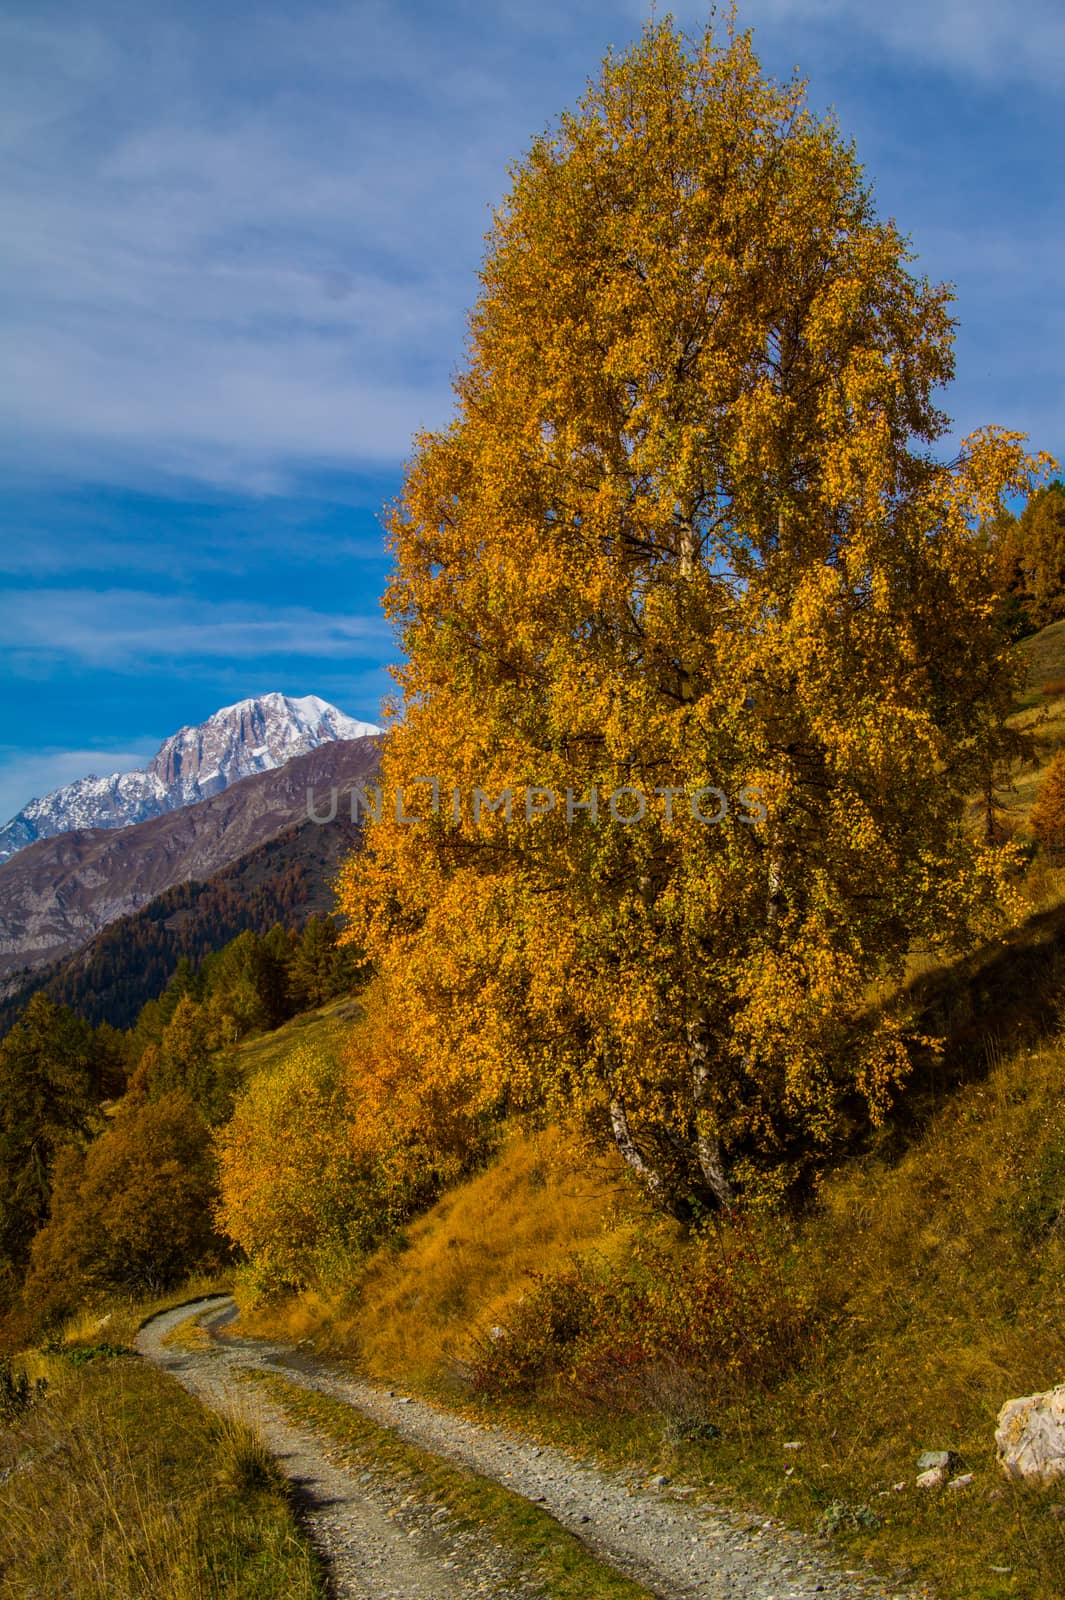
(240, 245)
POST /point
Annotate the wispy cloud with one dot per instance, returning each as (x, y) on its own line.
(992, 41)
(224, 279)
(125, 630)
(238, 243)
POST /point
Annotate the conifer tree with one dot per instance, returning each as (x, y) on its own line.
(47, 1101)
(1048, 813)
(1041, 541)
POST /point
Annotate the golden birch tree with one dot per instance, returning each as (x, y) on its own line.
(688, 537)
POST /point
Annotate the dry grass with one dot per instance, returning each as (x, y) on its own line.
(940, 1276)
(412, 1307)
(116, 1321)
(937, 1275)
(188, 1335)
(1044, 656)
(243, 1464)
(324, 1029)
(118, 1486)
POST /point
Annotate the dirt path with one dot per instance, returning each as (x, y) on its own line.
(680, 1550)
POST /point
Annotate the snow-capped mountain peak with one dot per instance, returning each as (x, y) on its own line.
(255, 735)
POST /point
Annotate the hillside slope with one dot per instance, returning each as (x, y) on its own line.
(58, 893)
(932, 1268)
(130, 962)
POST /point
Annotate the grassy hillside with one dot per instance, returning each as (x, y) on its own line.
(1044, 657)
(1041, 715)
(117, 1485)
(934, 1275)
(323, 1028)
(465, 1263)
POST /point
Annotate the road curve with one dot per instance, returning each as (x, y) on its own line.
(657, 1535)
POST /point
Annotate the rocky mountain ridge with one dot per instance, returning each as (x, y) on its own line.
(255, 735)
(57, 893)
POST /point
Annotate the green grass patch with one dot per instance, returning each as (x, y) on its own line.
(543, 1550)
(325, 1029)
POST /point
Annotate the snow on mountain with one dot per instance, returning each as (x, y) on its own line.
(255, 735)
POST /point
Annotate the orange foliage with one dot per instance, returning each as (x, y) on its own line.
(131, 1213)
(686, 530)
(1048, 814)
(324, 1156)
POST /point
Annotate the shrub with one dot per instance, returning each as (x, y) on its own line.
(288, 1178)
(720, 1309)
(325, 1157)
(244, 1464)
(17, 1393)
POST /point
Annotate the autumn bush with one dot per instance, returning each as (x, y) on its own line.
(720, 1311)
(289, 1181)
(133, 1212)
(328, 1153)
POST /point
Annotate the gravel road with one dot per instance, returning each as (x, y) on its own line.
(656, 1533)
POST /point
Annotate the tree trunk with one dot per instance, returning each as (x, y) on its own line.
(647, 1175)
(708, 1149)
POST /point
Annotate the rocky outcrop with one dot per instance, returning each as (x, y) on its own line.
(1031, 1437)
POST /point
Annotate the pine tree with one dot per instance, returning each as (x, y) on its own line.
(47, 1101)
(315, 970)
(1041, 538)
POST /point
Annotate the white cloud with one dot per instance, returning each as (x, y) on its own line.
(236, 245)
(240, 243)
(990, 40)
(125, 630)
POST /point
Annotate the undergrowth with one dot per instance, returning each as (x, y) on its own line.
(598, 1332)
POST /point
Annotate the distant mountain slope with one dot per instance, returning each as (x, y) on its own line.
(131, 961)
(252, 736)
(58, 893)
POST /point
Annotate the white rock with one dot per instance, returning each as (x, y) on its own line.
(1031, 1436)
(934, 1478)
